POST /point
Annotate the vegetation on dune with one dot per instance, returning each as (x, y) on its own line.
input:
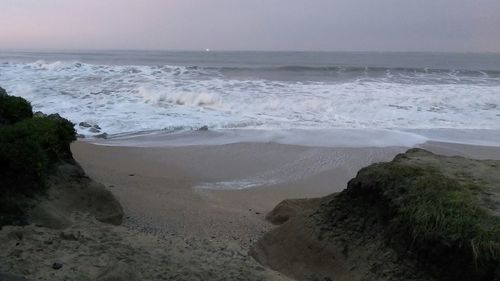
(13, 109)
(448, 223)
(29, 148)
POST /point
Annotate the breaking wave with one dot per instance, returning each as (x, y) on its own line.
(132, 98)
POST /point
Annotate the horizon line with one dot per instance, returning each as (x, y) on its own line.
(41, 50)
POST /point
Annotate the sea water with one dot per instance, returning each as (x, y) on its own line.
(137, 93)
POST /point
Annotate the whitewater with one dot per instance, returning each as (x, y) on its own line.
(131, 96)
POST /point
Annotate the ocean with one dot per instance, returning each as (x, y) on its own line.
(139, 92)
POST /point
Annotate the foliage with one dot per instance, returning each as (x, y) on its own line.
(29, 148)
(13, 109)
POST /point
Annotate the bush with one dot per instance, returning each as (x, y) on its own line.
(29, 148)
(53, 134)
(13, 109)
(22, 159)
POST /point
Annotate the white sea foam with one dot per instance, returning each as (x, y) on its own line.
(302, 137)
(158, 97)
(141, 98)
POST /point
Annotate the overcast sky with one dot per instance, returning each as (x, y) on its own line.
(328, 25)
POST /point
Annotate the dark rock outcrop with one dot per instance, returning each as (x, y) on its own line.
(101, 136)
(84, 125)
(39, 114)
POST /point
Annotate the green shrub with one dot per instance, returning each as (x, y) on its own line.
(22, 159)
(23, 166)
(14, 109)
(29, 148)
(53, 134)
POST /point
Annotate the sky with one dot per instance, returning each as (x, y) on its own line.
(283, 25)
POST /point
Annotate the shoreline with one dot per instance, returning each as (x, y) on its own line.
(317, 137)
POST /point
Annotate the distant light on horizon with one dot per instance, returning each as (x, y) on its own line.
(316, 25)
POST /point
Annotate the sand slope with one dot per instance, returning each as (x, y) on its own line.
(90, 250)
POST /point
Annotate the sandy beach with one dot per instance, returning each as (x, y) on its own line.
(177, 190)
(190, 212)
(198, 190)
(173, 191)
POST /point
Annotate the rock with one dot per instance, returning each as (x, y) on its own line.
(96, 127)
(117, 272)
(94, 130)
(80, 136)
(84, 125)
(203, 128)
(39, 114)
(56, 116)
(7, 276)
(101, 136)
(3, 92)
(70, 235)
(57, 265)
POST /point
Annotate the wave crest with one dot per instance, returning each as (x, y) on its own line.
(178, 98)
(56, 65)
